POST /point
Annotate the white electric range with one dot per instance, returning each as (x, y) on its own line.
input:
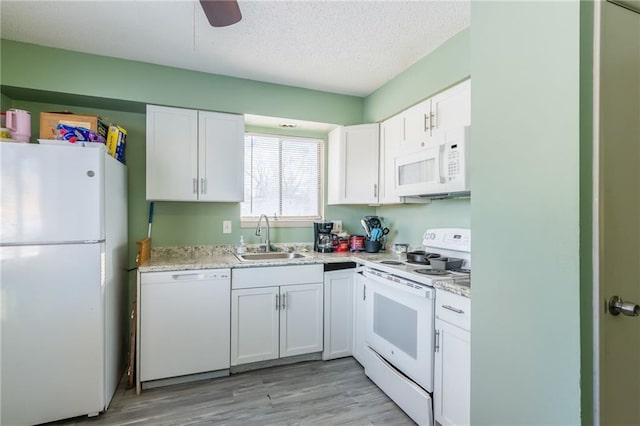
(400, 320)
(441, 242)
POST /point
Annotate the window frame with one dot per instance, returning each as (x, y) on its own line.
(292, 221)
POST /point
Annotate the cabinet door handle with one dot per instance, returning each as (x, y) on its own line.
(364, 293)
(426, 121)
(404, 129)
(432, 120)
(277, 302)
(375, 190)
(451, 308)
(202, 190)
(195, 185)
(436, 347)
(284, 301)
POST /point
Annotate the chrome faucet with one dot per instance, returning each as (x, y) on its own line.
(259, 231)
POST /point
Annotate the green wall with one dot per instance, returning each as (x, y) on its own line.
(525, 213)
(5, 102)
(28, 66)
(444, 67)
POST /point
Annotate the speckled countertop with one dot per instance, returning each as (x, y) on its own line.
(183, 258)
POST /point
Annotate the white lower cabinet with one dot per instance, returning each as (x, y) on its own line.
(276, 321)
(255, 319)
(360, 352)
(184, 323)
(451, 392)
(338, 314)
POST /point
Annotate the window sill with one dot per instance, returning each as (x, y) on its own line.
(279, 223)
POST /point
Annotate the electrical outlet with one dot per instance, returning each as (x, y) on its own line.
(337, 226)
(226, 226)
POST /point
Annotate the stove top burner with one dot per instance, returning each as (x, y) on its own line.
(391, 262)
(434, 272)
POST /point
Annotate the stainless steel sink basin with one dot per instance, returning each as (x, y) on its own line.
(269, 256)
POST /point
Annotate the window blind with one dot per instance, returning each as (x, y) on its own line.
(282, 177)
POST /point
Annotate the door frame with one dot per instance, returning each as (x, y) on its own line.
(598, 290)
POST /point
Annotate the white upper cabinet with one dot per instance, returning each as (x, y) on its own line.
(353, 164)
(172, 153)
(424, 121)
(416, 126)
(221, 156)
(391, 136)
(194, 155)
(452, 108)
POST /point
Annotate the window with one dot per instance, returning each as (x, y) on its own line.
(282, 178)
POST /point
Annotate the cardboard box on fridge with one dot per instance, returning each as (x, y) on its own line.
(116, 142)
(49, 121)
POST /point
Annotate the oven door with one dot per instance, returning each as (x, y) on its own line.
(420, 173)
(400, 326)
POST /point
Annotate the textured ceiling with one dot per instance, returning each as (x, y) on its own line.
(350, 47)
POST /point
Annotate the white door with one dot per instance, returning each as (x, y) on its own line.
(184, 324)
(51, 193)
(452, 373)
(400, 327)
(221, 157)
(353, 165)
(301, 313)
(172, 154)
(619, 213)
(338, 314)
(52, 332)
(416, 123)
(390, 139)
(255, 314)
(360, 351)
(452, 108)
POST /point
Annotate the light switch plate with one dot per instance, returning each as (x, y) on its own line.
(226, 226)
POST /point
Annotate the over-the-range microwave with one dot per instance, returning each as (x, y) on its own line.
(440, 168)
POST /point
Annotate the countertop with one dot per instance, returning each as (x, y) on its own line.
(215, 257)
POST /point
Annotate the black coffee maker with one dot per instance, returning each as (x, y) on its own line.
(323, 238)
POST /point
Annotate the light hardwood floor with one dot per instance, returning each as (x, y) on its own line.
(310, 393)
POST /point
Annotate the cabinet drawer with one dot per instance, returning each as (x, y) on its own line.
(276, 276)
(454, 309)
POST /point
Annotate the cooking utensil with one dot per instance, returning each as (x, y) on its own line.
(376, 233)
(446, 263)
(365, 225)
(373, 222)
(421, 257)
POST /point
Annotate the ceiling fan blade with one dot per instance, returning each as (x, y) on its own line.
(221, 13)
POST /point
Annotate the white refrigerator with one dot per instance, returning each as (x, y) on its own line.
(63, 281)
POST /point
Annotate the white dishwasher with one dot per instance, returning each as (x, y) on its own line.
(184, 323)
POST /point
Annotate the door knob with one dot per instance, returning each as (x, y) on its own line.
(618, 306)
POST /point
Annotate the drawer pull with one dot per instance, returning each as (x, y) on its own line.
(451, 308)
(187, 276)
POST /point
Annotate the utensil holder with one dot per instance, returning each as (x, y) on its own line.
(144, 251)
(372, 246)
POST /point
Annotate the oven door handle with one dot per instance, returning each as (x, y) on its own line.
(401, 285)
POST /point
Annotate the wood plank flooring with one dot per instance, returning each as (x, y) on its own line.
(310, 393)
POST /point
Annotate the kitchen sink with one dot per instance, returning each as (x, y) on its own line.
(269, 256)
